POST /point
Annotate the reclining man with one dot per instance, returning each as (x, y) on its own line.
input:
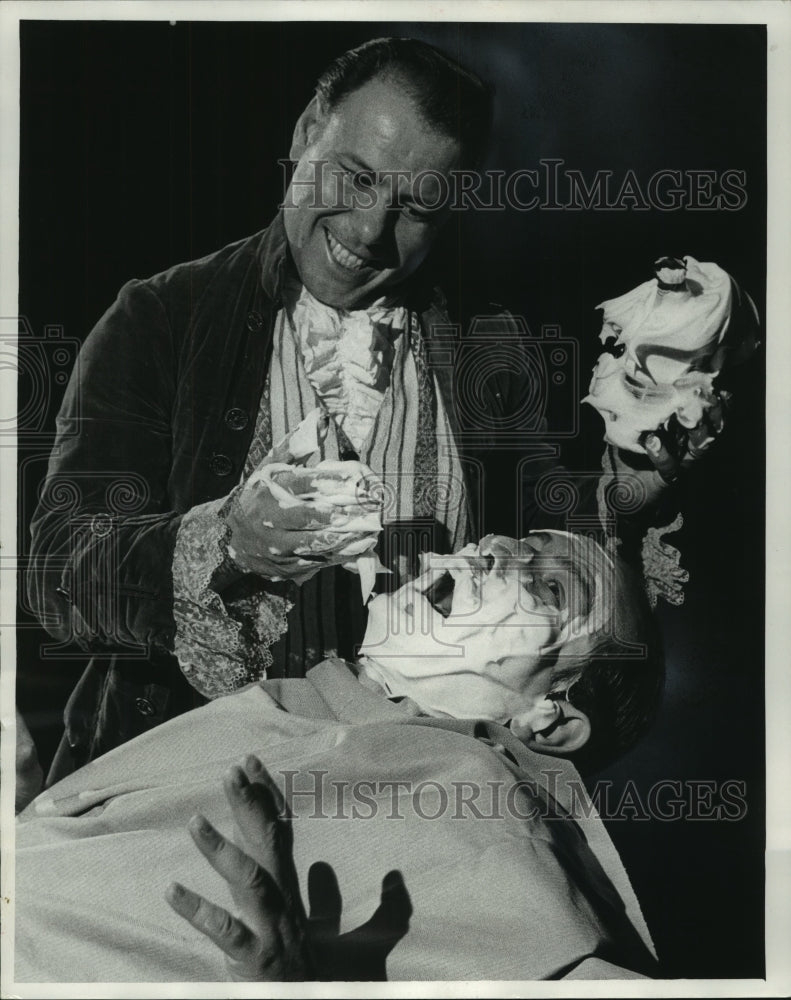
(433, 785)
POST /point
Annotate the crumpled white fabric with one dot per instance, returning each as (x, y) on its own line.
(670, 358)
(348, 357)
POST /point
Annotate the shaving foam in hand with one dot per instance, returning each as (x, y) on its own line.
(346, 491)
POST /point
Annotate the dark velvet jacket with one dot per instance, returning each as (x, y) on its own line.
(157, 418)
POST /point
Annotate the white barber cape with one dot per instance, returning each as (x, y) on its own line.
(519, 896)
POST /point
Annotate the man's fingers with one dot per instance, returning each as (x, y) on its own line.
(257, 773)
(256, 813)
(255, 798)
(266, 941)
(664, 463)
(715, 414)
(685, 440)
(243, 874)
(278, 546)
(700, 439)
(250, 957)
(258, 504)
(226, 931)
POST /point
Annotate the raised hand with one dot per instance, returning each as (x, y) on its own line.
(670, 452)
(687, 439)
(287, 521)
(267, 940)
(270, 938)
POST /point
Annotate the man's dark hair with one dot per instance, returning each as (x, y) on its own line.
(619, 692)
(451, 99)
(621, 700)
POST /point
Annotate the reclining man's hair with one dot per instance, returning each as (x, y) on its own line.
(451, 99)
(619, 690)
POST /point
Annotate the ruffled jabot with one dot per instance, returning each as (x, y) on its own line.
(348, 356)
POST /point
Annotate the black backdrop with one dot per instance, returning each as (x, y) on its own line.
(145, 144)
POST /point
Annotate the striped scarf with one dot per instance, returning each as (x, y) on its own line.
(409, 445)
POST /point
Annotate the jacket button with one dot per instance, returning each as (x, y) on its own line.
(236, 419)
(254, 321)
(144, 707)
(221, 465)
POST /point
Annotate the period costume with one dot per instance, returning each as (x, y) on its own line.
(180, 390)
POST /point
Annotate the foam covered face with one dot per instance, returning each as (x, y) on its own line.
(477, 634)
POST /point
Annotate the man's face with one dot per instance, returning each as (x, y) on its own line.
(358, 212)
(470, 637)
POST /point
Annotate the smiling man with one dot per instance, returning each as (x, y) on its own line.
(360, 216)
(159, 562)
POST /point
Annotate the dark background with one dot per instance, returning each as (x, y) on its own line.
(146, 144)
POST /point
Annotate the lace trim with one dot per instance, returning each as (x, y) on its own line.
(427, 488)
(220, 646)
(662, 572)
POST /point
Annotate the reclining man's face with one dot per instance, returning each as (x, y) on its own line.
(477, 634)
(357, 213)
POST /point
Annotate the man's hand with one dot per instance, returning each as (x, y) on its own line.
(685, 442)
(271, 939)
(279, 531)
(278, 543)
(670, 452)
(266, 941)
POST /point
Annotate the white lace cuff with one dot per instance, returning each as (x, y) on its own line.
(221, 645)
